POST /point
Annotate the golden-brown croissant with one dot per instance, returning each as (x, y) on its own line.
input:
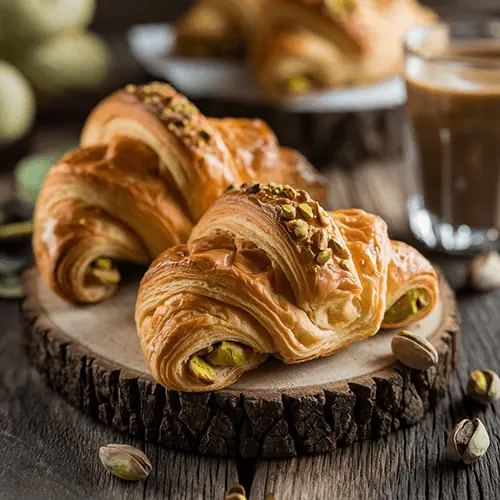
(267, 271)
(317, 44)
(215, 28)
(149, 166)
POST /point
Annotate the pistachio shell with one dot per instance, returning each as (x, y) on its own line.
(323, 257)
(227, 354)
(125, 461)
(288, 212)
(411, 303)
(468, 441)
(306, 210)
(484, 386)
(414, 351)
(201, 370)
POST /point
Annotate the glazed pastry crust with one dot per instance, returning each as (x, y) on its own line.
(335, 43)
(150, 164)
(245, 276)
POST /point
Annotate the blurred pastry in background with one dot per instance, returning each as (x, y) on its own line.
(219, 28)
(306, 45)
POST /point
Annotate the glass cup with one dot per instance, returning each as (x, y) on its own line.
(452, 74)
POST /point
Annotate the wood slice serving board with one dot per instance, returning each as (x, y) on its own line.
(92, 356)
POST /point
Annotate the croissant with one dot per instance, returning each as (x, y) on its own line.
(150, 164)
(318, 44)
(218, 28)
(267, 271)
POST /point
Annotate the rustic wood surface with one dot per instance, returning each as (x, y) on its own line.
(92, 356)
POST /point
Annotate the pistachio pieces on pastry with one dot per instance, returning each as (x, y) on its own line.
(410, 304)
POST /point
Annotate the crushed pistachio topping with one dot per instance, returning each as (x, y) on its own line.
(299, 227)
(410, 304)
(343, 264)
(338, 249)
(298, 84)
(288, 212)
(102, 271)
(201, 370)
(306, 210)
(227, 354)
(179, 115)
(324, 256)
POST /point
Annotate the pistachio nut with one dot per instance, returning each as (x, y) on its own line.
(411, 303)
(105, 276)
(237, 492)
(227, 354)
(483, 386)
(306, 210)
(323, 257)
(288, 212)
(414, 351)
(201, 370)
(299, 227)
(338, 249)
(320, 239)
(103, 263)
(125, 461)
(298, 84)
(344, 264)
(468, 441)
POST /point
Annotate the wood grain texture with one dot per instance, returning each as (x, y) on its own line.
(49, 450)
(251, 421)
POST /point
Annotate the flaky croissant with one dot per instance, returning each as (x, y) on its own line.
(317, 44)
(149, 165)
(215, 28)
(267, 271)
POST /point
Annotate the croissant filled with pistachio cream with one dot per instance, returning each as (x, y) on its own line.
(306, 45)
(267, 271)
(149, 166)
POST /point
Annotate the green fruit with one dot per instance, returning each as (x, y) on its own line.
(17, 103)
(67, 62)
(44, 18)
(30, 172)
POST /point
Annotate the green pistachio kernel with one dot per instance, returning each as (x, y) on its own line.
(343, 264)
(306, 210)
(201, 370)
(410, 304)
(323, 257)
(299, 227)
(227, 354)
(288, 212)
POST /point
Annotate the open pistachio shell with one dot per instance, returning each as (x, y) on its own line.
(483, 386)
(468, 441)
(227, 354)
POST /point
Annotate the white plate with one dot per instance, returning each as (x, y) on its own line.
(152, 45)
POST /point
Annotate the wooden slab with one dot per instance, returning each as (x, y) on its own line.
(91, 354)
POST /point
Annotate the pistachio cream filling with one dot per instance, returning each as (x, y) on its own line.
(103, 271)
(410, 304)
(298, 84)
(223, 354)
